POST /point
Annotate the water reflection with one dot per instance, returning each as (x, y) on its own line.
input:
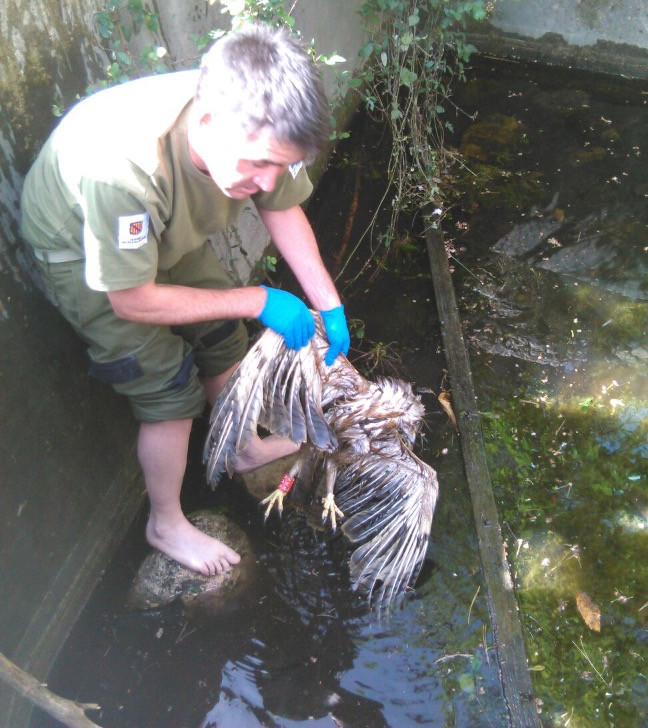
(553, 300)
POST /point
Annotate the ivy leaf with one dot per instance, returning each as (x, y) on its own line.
(407, 77)
(406, 41)
(124, 59)
(105, 25)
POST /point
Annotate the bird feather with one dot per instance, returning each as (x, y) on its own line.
(361, 430)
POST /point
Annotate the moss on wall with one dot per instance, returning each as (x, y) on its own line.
(48, 55)
(47, 52)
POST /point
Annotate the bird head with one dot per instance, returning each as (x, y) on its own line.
(401, 406)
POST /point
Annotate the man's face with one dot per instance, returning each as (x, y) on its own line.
(240, 163)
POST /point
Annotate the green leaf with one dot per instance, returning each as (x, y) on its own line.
(105, 25)
(383, 59)
(406, 40)
(407, 77)
(124, 59)
(479, 12)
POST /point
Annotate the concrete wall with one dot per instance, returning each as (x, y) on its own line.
(607, 36)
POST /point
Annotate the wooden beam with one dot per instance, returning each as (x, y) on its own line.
(69, 713)
(503, 608)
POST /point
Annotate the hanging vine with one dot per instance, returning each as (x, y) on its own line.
(415, 51)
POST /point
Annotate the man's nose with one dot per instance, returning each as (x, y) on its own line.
(266, 179)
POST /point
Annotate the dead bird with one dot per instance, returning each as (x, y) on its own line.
(359, 433)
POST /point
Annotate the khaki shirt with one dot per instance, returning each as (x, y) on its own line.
(115, 184)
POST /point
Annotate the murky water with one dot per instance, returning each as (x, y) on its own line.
(298, 648)
(551, 274)
(549, 233)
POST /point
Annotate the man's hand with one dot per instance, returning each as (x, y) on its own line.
(337, 332)
(288, 316)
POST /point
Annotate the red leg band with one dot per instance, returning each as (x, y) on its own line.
(286, 484)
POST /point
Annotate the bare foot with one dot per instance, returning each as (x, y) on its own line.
(190, 547)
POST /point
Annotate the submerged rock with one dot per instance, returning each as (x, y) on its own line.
(495, 137)
(160, 580)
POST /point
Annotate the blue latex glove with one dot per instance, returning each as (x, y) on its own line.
(288, 316)
(337, 332)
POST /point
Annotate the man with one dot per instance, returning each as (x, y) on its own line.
(117, 208)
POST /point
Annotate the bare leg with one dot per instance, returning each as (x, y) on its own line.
(213, 386)
(263, 451)
(259, 451)
(162, 449)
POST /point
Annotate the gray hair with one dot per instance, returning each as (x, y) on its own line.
(265, 76)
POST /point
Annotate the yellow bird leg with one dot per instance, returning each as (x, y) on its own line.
(277, 496)
(330, 510)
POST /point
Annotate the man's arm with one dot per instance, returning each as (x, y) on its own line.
(295, 240)
(293, 235)
(154, 303)
(161, 304)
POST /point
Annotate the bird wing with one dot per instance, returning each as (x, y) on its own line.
(275, 387)
(388, 499)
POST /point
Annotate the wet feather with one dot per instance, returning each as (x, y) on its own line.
(361, 433)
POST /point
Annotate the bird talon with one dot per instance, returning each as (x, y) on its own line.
(330, 510)
(274, 499)
(277, 496)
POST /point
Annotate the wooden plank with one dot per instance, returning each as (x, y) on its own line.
(504, 614)
(66, 711)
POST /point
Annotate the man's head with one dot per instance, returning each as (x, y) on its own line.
(260, 90)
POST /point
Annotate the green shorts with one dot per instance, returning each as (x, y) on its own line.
(156, 367)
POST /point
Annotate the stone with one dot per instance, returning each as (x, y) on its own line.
(495, 137)
(160, 580)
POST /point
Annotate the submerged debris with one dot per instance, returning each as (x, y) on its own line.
(589, 611)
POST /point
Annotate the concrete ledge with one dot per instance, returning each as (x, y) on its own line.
(608, 57)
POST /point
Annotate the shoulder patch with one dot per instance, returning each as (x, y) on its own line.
(133, 231)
